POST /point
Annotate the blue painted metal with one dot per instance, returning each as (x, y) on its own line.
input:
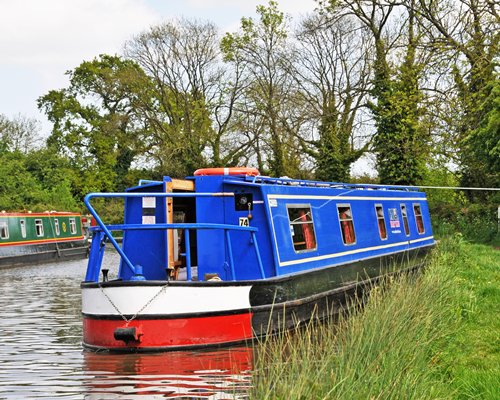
(230, 251)
(259, 260)
(223, 247)
(138, 276)
(104, 231)
(188, 254)
(125, 227)
(334, 185)
(95, 256)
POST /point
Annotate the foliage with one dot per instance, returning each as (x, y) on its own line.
(33, 182)
(476, 222)
(19, 134)
(260, 47)
(413, 338)
(466, 35)
(189, 119)
(334, 85)
(94, 122)
(482, 145)
(414, 81)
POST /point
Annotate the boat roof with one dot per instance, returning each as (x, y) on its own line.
(285, 181)
(289, 182)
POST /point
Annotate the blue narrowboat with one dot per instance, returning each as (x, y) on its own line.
(228, 255)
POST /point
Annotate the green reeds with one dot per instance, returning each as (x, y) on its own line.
(395, 346)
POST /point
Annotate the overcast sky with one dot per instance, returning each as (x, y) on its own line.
(42, 39)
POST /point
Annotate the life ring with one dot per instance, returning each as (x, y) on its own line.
(227, 171)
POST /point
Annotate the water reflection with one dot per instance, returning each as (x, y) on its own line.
(41, 354)
(220, 374)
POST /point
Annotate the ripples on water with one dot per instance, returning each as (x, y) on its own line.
(41, 354)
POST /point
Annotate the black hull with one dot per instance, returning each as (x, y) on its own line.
(43, 253)
(325, 292)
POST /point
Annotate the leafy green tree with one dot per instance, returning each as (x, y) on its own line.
(18, 189)
(466, 34)
(262, 49)
(95, 125)
(482, 144)
(35, 181)
(400, 143)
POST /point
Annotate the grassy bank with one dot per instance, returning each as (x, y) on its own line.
(435, 336)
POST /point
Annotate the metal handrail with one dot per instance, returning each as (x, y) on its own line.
(137, 270)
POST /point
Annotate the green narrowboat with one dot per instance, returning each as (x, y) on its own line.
(30, 238)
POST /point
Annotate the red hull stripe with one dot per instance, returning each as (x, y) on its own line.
(165, 333)
(42, 241)
(37, 215)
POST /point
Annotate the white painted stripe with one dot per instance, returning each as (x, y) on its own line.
(312, 197)
(164, 300)
(356, 251)
(341, 197)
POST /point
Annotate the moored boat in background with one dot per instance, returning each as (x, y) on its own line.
(29, 238)
(228, 255)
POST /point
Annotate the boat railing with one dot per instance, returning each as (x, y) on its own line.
(102, 232)
(335, 185)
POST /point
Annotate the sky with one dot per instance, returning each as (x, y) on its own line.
(42, 39)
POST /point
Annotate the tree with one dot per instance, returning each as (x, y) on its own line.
(399, 142)
(191, 118)
(468, 33)
(333, 74)
(95, 124)
(37, 181)
(19, 134)
(267, 104)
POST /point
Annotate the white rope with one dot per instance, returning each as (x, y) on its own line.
(456, 188)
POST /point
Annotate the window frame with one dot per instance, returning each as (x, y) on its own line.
(291, 225)
(39, 231)
(404, 217)
(22, 226)
(347, 205)
(72, 226)
(415, 205)
(4, 230)
(379, 206)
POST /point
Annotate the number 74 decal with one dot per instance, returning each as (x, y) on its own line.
(244, 221)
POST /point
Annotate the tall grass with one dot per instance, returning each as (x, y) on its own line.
(397, 346)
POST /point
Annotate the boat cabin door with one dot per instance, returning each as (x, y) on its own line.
(180, 210)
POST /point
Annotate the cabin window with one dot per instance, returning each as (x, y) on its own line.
(56, 227)
(382, 230)
(72, 226)
(346, 224)
(301, 227)
(404, 214)
(418, 218)
(22, 224)
(39, 227)
(4, 230)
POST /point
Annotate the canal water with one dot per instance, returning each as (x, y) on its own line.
(41, 356)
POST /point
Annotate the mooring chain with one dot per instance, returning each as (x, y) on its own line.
(128, 320)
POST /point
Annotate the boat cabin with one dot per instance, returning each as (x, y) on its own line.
(238, 228)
